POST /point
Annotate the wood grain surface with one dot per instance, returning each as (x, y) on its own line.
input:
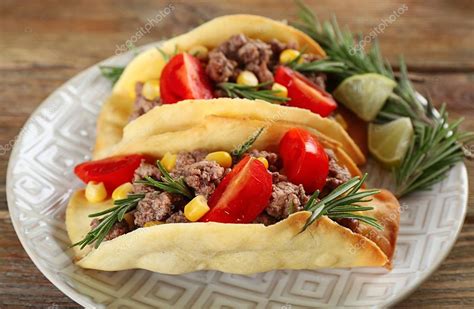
(45, 43)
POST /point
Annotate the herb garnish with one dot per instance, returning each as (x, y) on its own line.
(234, 90)
(112, 73)
(169, 184)
(245, 146)
(121, 207)
(437, 145)
(341, 203)
(166, 56)
(112, 215)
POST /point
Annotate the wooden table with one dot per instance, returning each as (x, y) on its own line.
(45, 43)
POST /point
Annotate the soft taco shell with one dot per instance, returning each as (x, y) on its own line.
(216, 133)
(149, 64)
(185, 114)
(235, 248)
(179, 248)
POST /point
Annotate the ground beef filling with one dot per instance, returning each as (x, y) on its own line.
(142, 105)
(337, 174)
(204, 176)
(241, 53)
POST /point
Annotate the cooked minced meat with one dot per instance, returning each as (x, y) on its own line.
(220, 69)
(337, 174)
(203, 176)
(286, 198)
(118, 229)
(274, 164)
(155, 206)
(240, 53)
(177, 217)
(142, 105)
(183, 159)
(265, 219)
(145, 169)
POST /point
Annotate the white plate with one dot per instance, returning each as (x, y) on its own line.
(40, 179)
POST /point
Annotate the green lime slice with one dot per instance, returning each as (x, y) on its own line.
(365, 94)
(389, 142)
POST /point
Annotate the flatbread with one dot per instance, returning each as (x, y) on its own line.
(235, 248)
(149, 64)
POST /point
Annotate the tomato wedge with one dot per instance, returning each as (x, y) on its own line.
(304, 159)
(242, 195)
(303, 93)
(112, 171)
(183, 77)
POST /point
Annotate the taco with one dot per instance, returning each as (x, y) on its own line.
(249, 56)
(232, 193)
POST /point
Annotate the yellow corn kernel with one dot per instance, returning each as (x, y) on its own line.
(223, 158)
(122, 191)
(196, 208)
(151, 89)
(264, 161)
(169, 161)
(95, 192)
(130, 219)
(288, 55)
(247, 78)
(199, 51)
(339, 119)
(282, 90)
(152, 223)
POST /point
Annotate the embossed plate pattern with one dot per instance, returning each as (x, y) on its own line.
(60, 134)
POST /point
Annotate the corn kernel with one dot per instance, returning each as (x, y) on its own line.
(196, 208)
(151, 90)
(247, 78)
(264, 161)
(282, 90)
(152, 223)
(168, 161)
(199, 51)
(339, 119)
(122, 191)
(95, 192)
(223, 158)
(288, 55)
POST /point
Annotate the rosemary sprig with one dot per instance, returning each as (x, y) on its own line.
(432, 153)
(112, 215)
(169, 184)
(435, 149)
(342, 202)
(234, 90)
(323, 66)
(112, 73)
(123, 206)
(245, 146)
(166, 56)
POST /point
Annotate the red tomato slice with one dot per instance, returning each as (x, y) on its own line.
(112, 171)
(242, 195)
(183, 77)
(303, 93)
(304, 159)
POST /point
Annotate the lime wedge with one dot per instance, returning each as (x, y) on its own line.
(365, 94)
(389, 142)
